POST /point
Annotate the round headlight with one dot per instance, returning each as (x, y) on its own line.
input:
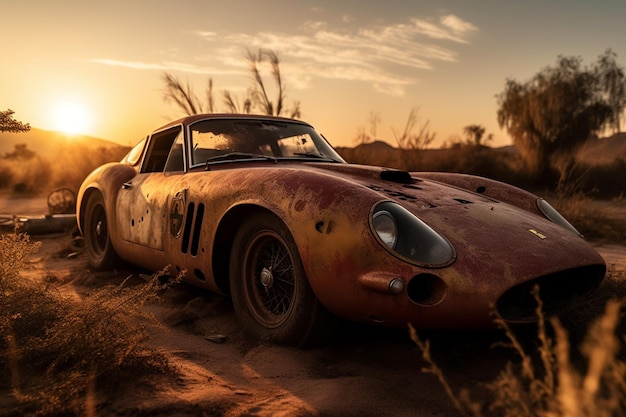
(553, 215)
(406, 236)
(385, 227)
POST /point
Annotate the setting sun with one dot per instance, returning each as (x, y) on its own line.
(71, 117)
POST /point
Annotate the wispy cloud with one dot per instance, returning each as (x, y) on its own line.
(388, 57)
(166, 66)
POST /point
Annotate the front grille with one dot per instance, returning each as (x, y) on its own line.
(557, 292)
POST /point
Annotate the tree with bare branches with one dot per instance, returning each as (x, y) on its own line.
(260, 94)
(366, 136)
(413, 140)
(184, 97)
(255, 99)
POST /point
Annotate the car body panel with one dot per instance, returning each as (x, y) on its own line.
(186, 219)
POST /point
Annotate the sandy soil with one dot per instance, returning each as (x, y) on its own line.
(363, 372)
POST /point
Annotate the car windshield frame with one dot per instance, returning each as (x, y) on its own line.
(256, 139)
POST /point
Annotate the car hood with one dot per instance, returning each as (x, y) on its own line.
(479, 228)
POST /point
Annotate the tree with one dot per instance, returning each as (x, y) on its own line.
(474, 135)
(256, 98)
(184, 97)
(20, 153)
(556, 111)
(260, 97)
(611, 77)
(9, 124)
(364, 136)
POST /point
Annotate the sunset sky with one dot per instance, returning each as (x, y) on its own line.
(100, 62)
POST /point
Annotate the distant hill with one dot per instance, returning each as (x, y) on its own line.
(596, 152)
(45, 142)
(605, 150)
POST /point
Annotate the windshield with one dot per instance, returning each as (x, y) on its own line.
(248, 138)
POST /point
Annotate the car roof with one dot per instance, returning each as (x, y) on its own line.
(187, 120)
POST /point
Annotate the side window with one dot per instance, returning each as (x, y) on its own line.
(158, 150)
(175, 161)
(133, 157)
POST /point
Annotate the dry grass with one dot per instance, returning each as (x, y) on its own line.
(58, 354)
(599, 224)
(548, 381)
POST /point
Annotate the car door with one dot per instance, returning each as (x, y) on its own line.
(142, 203)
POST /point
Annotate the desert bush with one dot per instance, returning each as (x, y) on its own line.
(26, 176)
(75, 162)
(547, 381)
(67, 168)
(593, 222)
(606, 180)
(57, 352)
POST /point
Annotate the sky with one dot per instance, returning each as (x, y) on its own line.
(95, 67)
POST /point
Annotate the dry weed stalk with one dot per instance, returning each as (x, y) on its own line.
(555, 386)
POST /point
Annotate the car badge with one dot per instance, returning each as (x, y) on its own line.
(539, 235)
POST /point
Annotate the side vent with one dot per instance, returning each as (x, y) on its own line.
(197, 227)
(187, 232)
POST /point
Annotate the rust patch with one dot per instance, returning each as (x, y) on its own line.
(300, 204)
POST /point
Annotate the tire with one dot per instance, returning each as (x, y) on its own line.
(100, 252)
(271, 295)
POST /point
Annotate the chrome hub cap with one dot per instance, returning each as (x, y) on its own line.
(267, 278)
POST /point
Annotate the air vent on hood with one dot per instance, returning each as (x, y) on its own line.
(401, 177)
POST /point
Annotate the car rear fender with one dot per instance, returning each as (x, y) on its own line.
(107, 180)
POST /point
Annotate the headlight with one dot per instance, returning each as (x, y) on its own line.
(385, 226)
(408, 237)
(556, 217)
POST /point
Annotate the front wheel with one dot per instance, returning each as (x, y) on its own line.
(100, 252)
(271, 295)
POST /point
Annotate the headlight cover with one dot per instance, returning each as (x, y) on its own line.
(406, 236)
(555, 217)
(385, 227)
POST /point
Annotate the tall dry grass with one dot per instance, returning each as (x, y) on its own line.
(60, 355)
(548, 380)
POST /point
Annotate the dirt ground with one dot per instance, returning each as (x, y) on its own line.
(364, 371)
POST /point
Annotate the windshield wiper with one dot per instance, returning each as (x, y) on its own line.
(314, 155)
(311, 155)
(234, 156)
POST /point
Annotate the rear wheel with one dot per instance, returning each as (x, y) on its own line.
(100, 252)
(271, 294)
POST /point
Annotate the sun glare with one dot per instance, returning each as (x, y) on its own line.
(71, 118)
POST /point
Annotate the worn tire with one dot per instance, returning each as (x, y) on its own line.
(98, 246)
(271, 295)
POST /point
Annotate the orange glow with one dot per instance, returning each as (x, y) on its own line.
(71, 117)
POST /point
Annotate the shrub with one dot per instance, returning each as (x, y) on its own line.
(57, 350)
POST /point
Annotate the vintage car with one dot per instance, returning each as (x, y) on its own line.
(264, 210)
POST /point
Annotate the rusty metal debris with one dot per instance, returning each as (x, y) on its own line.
(60, 216)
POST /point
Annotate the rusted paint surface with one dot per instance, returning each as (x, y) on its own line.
(499, 237)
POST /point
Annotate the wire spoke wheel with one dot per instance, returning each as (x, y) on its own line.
(271, 294)
(100, 252)
(269, 281)
(98, 229)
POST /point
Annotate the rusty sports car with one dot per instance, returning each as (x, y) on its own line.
(264, 210)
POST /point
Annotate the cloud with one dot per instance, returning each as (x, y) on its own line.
(165, 66)
(457, 25)
(388, 57)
